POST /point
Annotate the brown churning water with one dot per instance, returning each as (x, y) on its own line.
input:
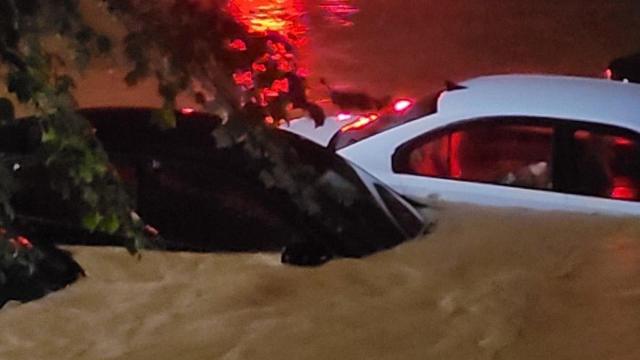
(487, 284)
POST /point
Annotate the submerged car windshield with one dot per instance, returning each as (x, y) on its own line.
(373, 124)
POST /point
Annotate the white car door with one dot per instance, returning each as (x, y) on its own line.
(601, 168)
(505, 161)
(495, 161)
(429, 191)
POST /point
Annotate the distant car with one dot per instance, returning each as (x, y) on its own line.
(532, 141)
(203, 198)
(624, 68)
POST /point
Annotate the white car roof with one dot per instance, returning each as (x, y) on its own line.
(587, 99)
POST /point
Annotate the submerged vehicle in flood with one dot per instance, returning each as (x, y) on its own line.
(202, 197)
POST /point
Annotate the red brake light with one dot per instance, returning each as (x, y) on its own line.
(21, 242)
(620, 141)
(608, 74)
(187, 110)
(623, 189)
(24, 242)
(623, 193)
(402, 105)
(582, 135)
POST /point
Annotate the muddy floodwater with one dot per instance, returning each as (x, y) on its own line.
(487, 284)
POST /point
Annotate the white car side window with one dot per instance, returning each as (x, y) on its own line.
(604, 162)
(506, 151)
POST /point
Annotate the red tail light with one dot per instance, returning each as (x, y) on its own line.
(608, 74)
(623, 189)
(21, 242)
(620, 141)
(623, 193)
(187, 110)
(398, 106)
(401, 105)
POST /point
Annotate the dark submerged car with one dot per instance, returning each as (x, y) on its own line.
(30, 271)
(205, 198)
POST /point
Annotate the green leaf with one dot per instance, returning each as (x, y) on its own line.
(90, 196)
(85, 172)
(7, 112)
(49, 136)
(164, 118)
(91, 221)
(110, 224)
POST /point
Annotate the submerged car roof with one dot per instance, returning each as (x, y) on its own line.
(587, 99)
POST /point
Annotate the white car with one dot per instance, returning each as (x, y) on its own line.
(532, 141)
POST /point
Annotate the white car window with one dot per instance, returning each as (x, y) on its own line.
(592, 160)
(506, 151)
(603, 162)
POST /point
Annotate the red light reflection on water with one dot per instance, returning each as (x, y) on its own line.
(261, 16)
(273, 18)
(339, 11)
(284, 23)
(288, 17)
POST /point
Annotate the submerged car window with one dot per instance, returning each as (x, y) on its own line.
(410, 222)
(513, 152)
(405, 219)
